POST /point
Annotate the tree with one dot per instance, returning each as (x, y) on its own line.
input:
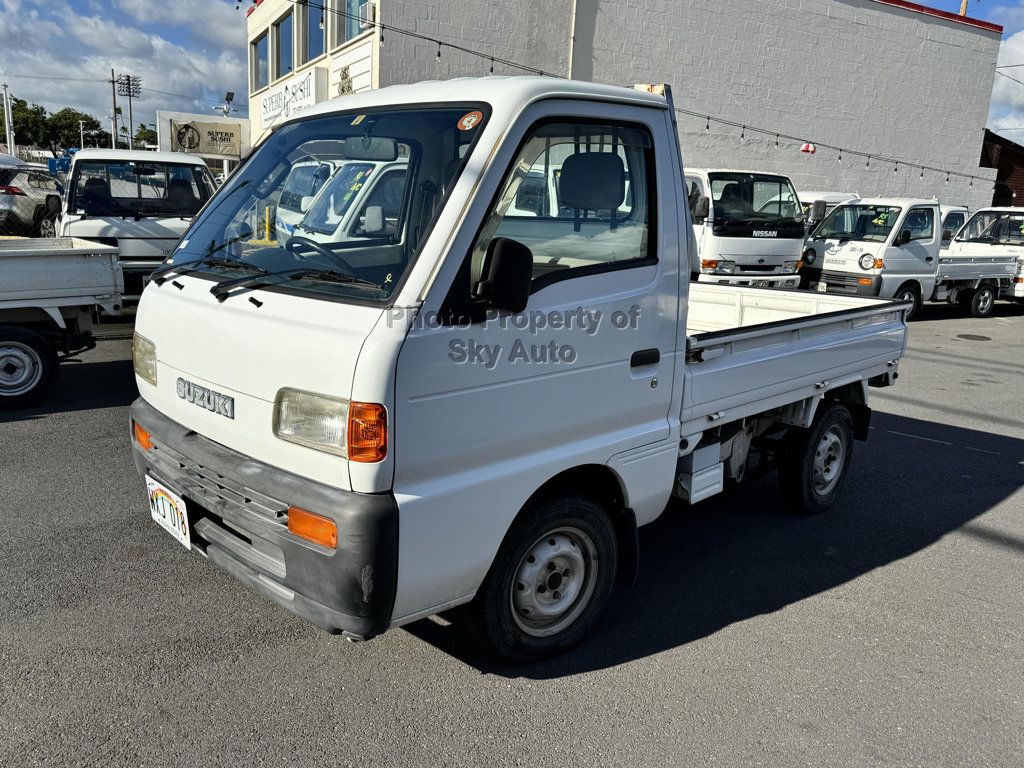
(30, 126)
(145, 135)
(64, 127)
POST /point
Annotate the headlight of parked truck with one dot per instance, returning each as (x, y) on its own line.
(144, 358)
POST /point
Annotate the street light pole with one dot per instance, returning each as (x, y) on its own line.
(81, 134)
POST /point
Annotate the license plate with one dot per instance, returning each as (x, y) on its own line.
(168, 509)
(759, 283)
(822, 287)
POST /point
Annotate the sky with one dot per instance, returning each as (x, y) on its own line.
(196, 50)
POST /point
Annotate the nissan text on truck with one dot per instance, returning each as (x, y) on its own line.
(749, 228)
(475, 408)
(893, 248)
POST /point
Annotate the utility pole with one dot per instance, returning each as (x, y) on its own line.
(130, 86)
(8, 120)
(81, 134)
(963, 7)
(113, 114)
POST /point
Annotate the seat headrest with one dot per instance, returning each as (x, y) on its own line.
(593, 180)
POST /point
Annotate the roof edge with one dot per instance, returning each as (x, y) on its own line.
(947, 15)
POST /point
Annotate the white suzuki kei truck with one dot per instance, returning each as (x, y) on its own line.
(479, 408)
(749, 228)
(994, 233)
(141, 202)
(893, 247)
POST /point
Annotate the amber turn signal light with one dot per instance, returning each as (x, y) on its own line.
(864, 281)
(367, 432)
(142, 437)
(315, 528)
(709, 264)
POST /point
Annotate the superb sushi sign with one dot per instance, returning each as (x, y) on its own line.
(293, 95)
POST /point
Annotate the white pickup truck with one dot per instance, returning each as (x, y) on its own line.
(49, 289)
(749, 227)
(481, 406)
(893, 248)
(995, 233)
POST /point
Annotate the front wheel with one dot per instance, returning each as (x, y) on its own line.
(909, 293)
(983, 302)
(549, 581)
(28, 365)
(815, 461)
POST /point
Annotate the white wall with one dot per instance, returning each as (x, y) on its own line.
(855, 73)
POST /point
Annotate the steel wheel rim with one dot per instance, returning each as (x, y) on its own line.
(21, 368)
(554, 582)
(906, 295)
(985, 301)
(829, 457)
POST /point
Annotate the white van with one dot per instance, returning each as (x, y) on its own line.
(141, 202)
(749, 227)
(995, 231)
(892, 248)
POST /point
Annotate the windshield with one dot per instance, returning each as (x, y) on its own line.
(871, 223)
(994, 227)
(755, 205)
(428, 146)
(136, 188)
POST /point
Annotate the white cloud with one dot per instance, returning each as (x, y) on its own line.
(221, 23)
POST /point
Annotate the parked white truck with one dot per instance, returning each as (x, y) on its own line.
(138, 201)
(996, 233)
(749, 228)
(483, 406)
(892, 248)
(49, 290)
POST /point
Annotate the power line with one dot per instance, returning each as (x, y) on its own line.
(54, 77)
(1003, 74)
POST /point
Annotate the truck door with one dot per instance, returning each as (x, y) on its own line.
(499, 403)
(920, 254)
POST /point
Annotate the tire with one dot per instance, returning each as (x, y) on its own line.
(983, 302)
(815, 461)
(522, 612)
(964, 298)
(47, 228)
(909, 292)
(28, 366)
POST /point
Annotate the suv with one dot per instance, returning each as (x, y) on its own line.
(24, 190)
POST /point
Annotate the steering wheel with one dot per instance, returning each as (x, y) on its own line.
(334, 259)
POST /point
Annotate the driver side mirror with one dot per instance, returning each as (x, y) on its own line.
(373, 220)
(53, 205)
(701, 209)
(904, 237)
(305, 202)
(947, 236)
(507, 274)
(817, 211)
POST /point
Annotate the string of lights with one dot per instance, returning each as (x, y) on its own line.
(879, 157)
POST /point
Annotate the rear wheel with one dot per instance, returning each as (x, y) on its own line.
(983, 302)
(911, 293)
(549, 582)
(815, 461)
(28, 366)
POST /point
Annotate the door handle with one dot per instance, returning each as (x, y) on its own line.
(644, 357)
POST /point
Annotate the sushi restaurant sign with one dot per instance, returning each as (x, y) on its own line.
(293, 95)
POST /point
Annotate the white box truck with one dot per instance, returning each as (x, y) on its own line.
(480, 406)
(892, 248)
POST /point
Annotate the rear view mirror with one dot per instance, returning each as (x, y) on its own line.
(818, 210)
(305, 202)
(507, 274)
(371, 148)
(701, 208)
(373, 221)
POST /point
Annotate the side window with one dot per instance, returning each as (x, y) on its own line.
(951, 226)
(386, 195)
(694, 191)
(580, 196)
(921, 223)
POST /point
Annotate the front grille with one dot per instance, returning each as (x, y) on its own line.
(840, 278)
(760, 268)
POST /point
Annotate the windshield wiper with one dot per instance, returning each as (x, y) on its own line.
(159, 276)
(220, 290)
(980, 239)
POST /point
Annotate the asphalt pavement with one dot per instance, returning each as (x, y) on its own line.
(889, 631)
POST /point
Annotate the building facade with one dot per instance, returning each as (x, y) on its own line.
(885, 78)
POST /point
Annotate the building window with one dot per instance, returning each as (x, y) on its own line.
(316, 30)
(260, 70)
(346, 21)
(283, 35)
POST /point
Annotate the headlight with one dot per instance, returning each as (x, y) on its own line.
(810, 255)
(144, 358)
(725, 267)
(312, 420)
(790, 267)
(356, 431)
(867, 261)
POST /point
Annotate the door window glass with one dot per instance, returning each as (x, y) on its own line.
(921, 223)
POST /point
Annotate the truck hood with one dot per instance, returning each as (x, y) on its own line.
(747, 250)
(246, 352)
(845, 256)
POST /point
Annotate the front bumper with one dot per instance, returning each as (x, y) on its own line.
(238, 515)
(752, 280)
(845, 283)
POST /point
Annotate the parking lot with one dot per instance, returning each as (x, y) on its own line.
(887, 631)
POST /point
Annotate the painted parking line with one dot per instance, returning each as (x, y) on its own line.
(917, 437)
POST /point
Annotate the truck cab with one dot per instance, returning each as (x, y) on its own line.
(995, 232)
(749, 227)
(953, 218)
(138, 201)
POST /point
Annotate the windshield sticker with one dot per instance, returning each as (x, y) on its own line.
(358, 119)
(470, 120)
(883, 217)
